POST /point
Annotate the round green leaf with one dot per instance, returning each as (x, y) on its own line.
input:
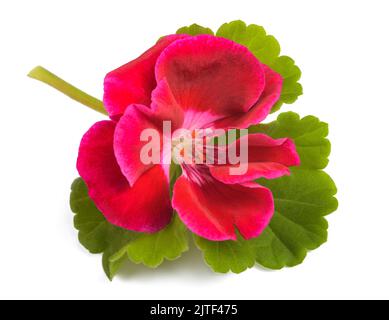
(194, 30)
(309, 135)
(225, 256)
(99, 236)
(153, 249)
(96, 234)
(301, 202)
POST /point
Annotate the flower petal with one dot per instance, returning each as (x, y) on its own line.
(165, 106)
(127, 141)
(145, 207)
(213, 210)
(262, 148)
(207, 73)
(267, 158)
(261, 109)
(134, 81)
(256, 170)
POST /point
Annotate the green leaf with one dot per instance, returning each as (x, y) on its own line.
(301, 202)
(91, 224)
(291, 88)
(224, 256)
(308, 133)
(96, 234)
(169, 243)
(175, 172)
(115, 253)
(99, 236)
(267, 49)
(194, 30)
(301, 199)
(152, 249)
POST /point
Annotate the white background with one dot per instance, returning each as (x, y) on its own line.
(342, 49)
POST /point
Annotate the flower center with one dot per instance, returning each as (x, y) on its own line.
(187, 147)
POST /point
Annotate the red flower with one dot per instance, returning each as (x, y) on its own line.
(195, 82)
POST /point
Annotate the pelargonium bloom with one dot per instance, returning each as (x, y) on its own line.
(194, 82)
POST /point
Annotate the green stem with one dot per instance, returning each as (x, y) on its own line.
(41, 74)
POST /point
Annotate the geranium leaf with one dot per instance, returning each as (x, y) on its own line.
(153, 249)
(301, 199)
(99, 236)
(224, 256)
(115, 254)
(96, 234)
(267, 49)
(291, 88)
(88, 220)
(301, 202)
(308, 133)
(194, 30)
(169, 243)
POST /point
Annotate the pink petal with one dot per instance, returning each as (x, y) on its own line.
(256, 170)
(261, 109)
(267, 158)
(127, 141)
(211, 74)
(165, 106)
(262, 148)
(133, 82)
(213, 210)
(145, 207)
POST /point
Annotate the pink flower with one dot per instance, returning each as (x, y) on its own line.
(195, 82)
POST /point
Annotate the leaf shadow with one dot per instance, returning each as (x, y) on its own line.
(190, 266)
